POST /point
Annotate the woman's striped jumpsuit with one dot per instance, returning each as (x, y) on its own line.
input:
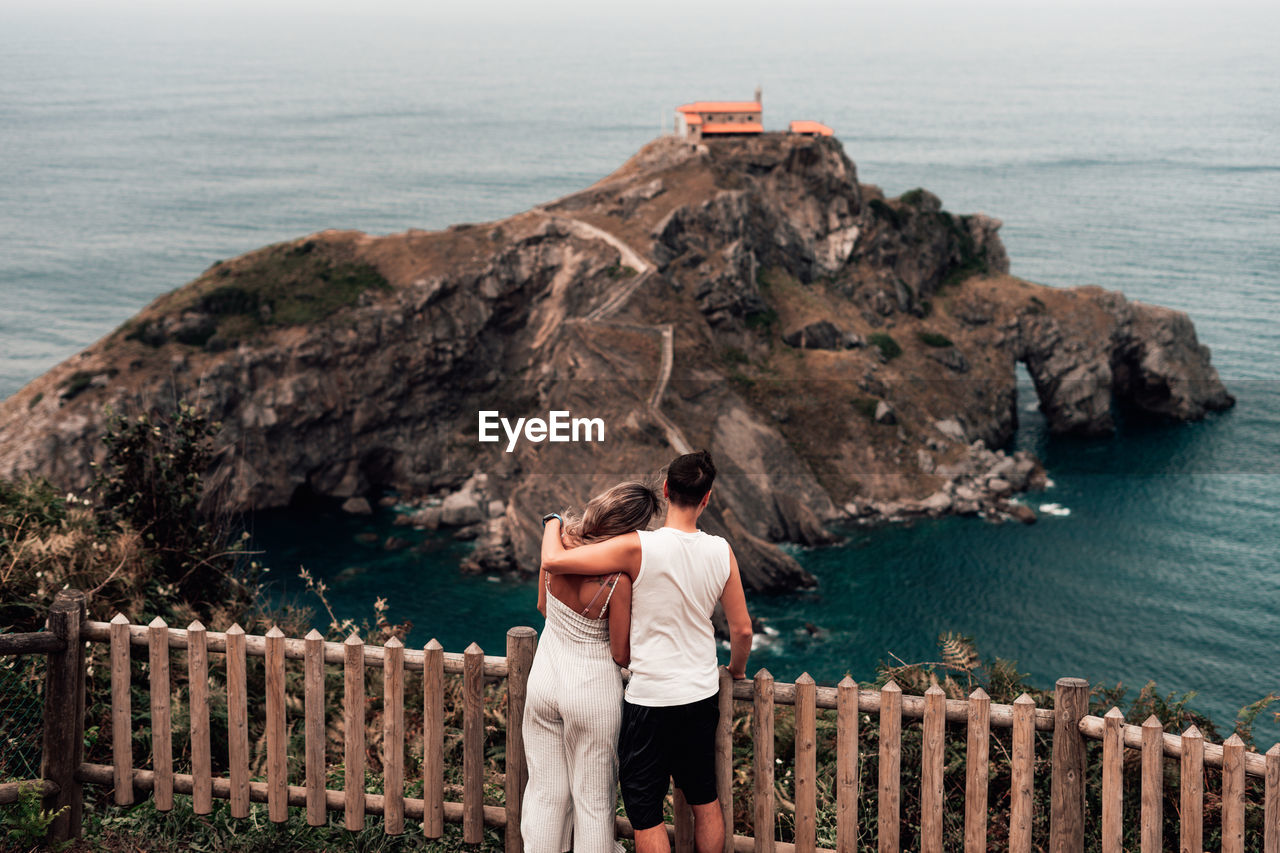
(571, 721)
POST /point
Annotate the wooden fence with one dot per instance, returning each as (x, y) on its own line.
(64, 770)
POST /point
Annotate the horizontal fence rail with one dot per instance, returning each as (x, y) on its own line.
(773, 790)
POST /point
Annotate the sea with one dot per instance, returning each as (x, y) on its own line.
(1136, 147)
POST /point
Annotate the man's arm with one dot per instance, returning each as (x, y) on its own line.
(734, 602)
(620, 621)
(619, 554)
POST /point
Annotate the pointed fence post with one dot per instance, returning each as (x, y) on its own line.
(393, 736)
(313, 709)
(64, 716)
(277, 746)
(889, 807)
(353, 732)
(976, 764)
(1153, 785)
(1113, 782)
(521, 644)
(237, 722)
(1066, 797)
(846, 766)
(933, 744)
(121, 711)
(1023, 774)
(473, 745)
(762, 744)
(1191, 791)
(161, 733)
(198, 711)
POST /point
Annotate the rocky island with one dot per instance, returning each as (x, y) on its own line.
(842, 354)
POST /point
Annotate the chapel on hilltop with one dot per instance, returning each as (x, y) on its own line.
(702, 119)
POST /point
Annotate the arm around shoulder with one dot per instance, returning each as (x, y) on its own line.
(619, 554)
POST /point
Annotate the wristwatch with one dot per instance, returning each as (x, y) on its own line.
(550, 516)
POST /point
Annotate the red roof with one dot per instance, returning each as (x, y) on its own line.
(804, 126)
(692, 118)
(720, 107)
(731, 127)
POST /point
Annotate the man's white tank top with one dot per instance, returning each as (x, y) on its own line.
(673, 648)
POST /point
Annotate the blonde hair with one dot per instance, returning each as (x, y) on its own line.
(621, 509)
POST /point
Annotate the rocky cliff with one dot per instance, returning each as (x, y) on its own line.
(841, 353)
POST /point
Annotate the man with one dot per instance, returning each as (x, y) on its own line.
(671, 707)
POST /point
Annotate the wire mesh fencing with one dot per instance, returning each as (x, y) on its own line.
(21, 716)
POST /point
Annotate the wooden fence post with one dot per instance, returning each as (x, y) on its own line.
(393, 737)
(277, 745)
(353, 732)
(161, 730)
(976, 764)
(1113, 782)
(1066, 805)
(847, 766)
(932, 756)
(121, 711)
(521, 644)
(64, 716)
(1152, 785)
(888, 828)
(806, 764)
(1023, 774)
(314, 732)
(198, 711)
(1191, 792)
(724, 757)
(473, 745)
(762, 771)
(433, 739)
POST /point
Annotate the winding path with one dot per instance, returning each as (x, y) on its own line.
(613, 303)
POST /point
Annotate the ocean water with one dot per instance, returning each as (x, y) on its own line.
(1137, 148)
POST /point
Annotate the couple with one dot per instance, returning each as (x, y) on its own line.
(616, 594)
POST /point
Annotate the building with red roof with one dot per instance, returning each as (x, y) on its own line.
(720, 118)
(810, 128)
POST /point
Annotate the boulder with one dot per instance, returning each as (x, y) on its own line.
(357, 506)
(885, 414)
(460, 509)
(819, 335)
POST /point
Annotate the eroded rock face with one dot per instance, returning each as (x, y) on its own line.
(658, 301)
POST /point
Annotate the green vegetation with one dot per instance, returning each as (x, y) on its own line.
(35, 400)
(286, 285)
(76, 383)
(884, 342)
(934, 339)
(969, 262)
(24, 823)
(733, 355)
(765, 320)
(620, 271)
(912, 198)
(866, 406)
(1037, 305)
(883, 210)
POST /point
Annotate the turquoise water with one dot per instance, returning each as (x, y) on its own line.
(1131, 148)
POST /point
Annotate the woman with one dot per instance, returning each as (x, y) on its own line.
(574, 705)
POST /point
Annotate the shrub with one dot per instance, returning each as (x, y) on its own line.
(934, 339)
(884, 342)
(866, 406)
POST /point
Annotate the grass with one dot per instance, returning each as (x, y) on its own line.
(76, 383)
(883, 210)
(913, 197)
(620, 271)
(866, 406)
(286, 285)
(884, 342)
(933, 339)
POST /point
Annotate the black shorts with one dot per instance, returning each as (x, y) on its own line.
(658, 744)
